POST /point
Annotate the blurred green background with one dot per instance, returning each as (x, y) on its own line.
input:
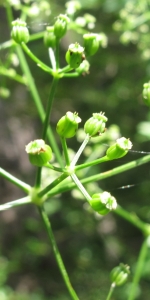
(90, 246)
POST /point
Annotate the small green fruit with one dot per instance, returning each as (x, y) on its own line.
(39, 153)
(68, 125)
(119, 149)
(95, 125)
(49, 37)
(119, 274)
(75, 55)
(60, 26)
(103, 203)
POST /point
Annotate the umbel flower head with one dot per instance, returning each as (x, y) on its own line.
(19, 31)
(103, 203)
(95, 125)
(39, 153)
(119, 274)
(68, 125)
(119, 149)
(75, 55)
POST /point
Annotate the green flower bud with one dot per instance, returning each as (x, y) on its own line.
(95, 125)
(146, 93)
(60, 26)
(119, 274)
(119, 149)
(39, 153)
(103, 203)
(68, 125)
(91, 43)
(49, 37)
(19, 31)
(75, 55)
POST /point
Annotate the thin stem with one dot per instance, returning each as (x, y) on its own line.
(56, 252)
(139, 268)
(79, 152)
(80, 187)
(92, 163)
(133, 219)
(65, 69)
(57, 54)
(53, 184)
(22, 185)
(37, 101)
(11, 73)
(65, 150)
(52, 58)
(112, 287)
(46, 123)
(37, 60)
(115, 171)
(18, 202)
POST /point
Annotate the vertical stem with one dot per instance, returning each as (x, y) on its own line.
(46, 123)
(65, 150)
(110, 291)
(58, 258)
(139, 268)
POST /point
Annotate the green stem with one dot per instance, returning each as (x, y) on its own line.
(112, 287)
(11, 73)
(37, 101)
(56, 252)
(18, 202)
(22, 185)
(92, 163)
(133, 219)
(53, 184)
(80, 187)
(37, 60)
(139, 268)
(46, 122)
(79, 152)
(65, 150)
(65, 69)
(103, 175)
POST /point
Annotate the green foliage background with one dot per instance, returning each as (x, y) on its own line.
(90, 246)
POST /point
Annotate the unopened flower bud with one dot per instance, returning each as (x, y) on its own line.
(60, 26)
(19, 31)
(39, 153)
(91, 43)
(146, 93)
(119, 149)
(119, 274)
(103, 203)
(68, 125)
(83, 68)
(49, 37)
(75, 55)
(95, 125)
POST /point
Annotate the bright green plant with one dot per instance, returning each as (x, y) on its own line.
(44, 152)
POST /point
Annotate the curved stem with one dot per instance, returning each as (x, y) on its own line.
(56, 252)
(139, 268)
(22, 185)
(37, 60)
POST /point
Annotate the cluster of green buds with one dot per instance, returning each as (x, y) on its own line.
(103, 203)
(119, 274)
(119, 149)
(68, 125)
(20, 31)
(39, 153)
(95, 125)
(146, 93)
(75, 55)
